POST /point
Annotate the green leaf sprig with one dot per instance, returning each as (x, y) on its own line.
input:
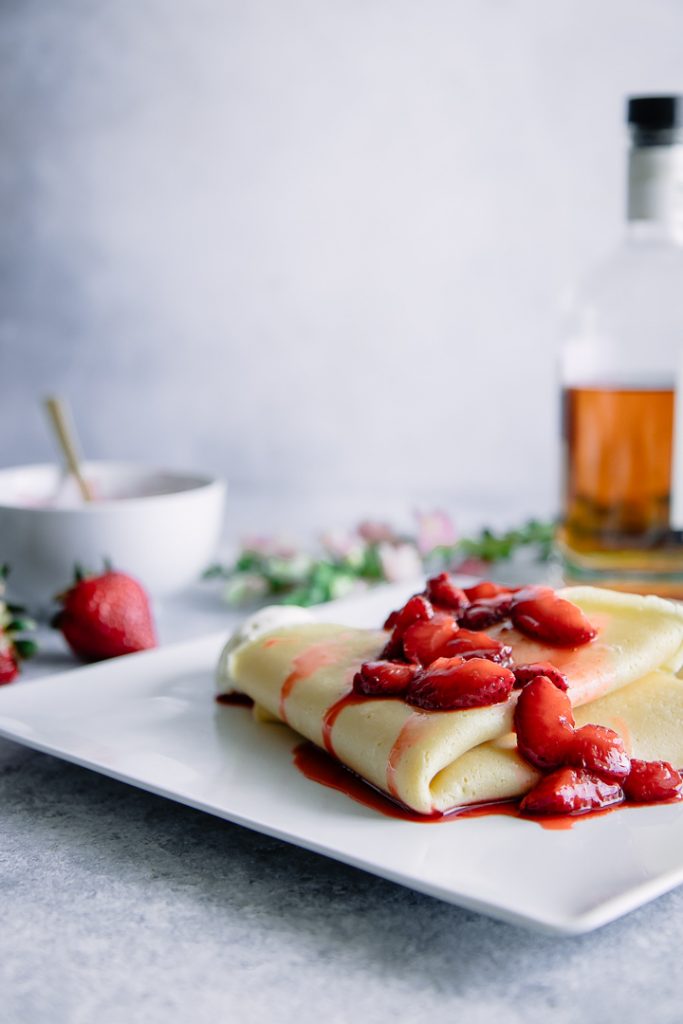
(265, 569)
(489, 547)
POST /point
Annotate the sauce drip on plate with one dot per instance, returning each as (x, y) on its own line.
(319, 767)
(235, 700)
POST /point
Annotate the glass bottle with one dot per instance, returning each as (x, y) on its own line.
(622, 379)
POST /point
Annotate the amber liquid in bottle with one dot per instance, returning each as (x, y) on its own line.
(618, 448)
(622, 369)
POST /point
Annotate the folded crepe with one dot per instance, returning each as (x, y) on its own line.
(301, 672)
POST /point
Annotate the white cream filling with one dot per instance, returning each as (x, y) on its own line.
(257, 625)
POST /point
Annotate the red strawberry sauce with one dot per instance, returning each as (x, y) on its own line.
(403, 743)
(305, 664)
(235, 699)
(319, 767)
(333, 712)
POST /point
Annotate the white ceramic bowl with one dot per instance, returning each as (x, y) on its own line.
(161, 527)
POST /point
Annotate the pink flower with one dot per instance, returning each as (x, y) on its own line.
(399, 562)
(376, 533)
(434, 529)
(342, 545)
(472, 567)
(269, 547)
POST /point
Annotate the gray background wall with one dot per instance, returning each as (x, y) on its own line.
(317, 244)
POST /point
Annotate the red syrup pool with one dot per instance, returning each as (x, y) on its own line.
(318, 766)
(235, 699)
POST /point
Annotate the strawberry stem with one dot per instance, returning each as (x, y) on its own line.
(20, 625)
(25, 648)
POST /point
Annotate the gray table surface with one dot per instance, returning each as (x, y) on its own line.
(122, 906)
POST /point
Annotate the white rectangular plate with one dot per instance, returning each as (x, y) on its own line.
(150, 720)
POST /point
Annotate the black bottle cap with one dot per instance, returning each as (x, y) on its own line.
(655, 113)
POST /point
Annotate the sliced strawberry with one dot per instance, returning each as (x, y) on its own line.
(417, 609)
(442, 591)
(650, 781)
(543, 615)
(451, 683)
(544, 724)
(570, 791)
(525, 673)
(393, 649)
(9, 667)
(531, 590)
(486, 612)
(424, 642)
(600, 751)
(484, 590)
(472, 644)
(392, 619)
(384, 678)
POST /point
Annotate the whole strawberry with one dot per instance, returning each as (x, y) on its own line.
(9, 667)
(105, 616)
(13, 648)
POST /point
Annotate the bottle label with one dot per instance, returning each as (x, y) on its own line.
(655, 185)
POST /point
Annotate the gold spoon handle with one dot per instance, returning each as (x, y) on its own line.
(63, 426)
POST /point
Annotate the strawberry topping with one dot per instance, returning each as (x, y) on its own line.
(484, 590)
(487, 611)
(472, 644)
(392, 619)
(451, 683)
(600, 751)
(384, 678)
(570, 791)
(544, 724)
(424, 642)
(526, 673)
(541, 614)
(417, 609)
(442, 591)
(650, 781)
